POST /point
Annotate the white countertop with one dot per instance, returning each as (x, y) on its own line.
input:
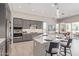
(1, 40)
(41, 39)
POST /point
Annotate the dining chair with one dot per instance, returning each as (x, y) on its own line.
(53, 48)
(66, 47)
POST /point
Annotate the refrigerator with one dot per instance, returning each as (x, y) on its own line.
(5, 26)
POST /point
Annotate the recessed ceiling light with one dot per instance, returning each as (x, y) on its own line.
(20, 7)
(33, 9)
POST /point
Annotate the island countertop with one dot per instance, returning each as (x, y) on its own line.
(42, 39)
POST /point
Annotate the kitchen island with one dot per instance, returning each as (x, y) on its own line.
(40, 45)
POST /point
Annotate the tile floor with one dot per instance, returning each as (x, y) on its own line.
(26, 48)
(22, 49)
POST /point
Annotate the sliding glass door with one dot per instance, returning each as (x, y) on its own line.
(73, 28)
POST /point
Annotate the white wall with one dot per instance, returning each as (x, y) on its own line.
(70, 19)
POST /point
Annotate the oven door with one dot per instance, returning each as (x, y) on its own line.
(17, 39)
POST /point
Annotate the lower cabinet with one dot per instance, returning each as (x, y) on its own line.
(17, 39)
(23, 38)
(22, 49)
(39, 48)
(27, 37)
(2, 49)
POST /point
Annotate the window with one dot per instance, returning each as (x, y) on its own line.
(52, 27)
(75, 27)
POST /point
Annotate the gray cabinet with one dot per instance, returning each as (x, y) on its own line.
(2, 49)
(39, 24)
(27, 37)
(39, 48)
(17, 39)
(17, 22)
(26, 24)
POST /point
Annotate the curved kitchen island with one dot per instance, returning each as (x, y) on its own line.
(40, 45)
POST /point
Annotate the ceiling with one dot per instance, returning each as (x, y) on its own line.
(47, 9)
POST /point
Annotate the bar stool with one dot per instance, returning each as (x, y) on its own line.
(53, 48)
(65, 46)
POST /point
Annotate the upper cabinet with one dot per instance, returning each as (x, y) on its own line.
(31, 24)
(17, 22)
(27, 24)
(39, 24)
(36, 24)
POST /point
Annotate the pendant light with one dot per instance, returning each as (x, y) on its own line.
(57, 13)
(57, 10)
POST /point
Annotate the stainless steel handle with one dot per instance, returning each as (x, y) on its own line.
(25, 32)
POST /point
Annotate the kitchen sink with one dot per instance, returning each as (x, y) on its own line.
(47, 40)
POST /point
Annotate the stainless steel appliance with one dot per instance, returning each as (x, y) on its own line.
(5, 32)
(17, 34)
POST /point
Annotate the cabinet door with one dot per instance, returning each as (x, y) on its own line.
(39, 25)
(3, 50)
(33, 22)
(40, 49)
(26, 24)
(18, 22)
(27, 37)
(15, 22)
(17, 40)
